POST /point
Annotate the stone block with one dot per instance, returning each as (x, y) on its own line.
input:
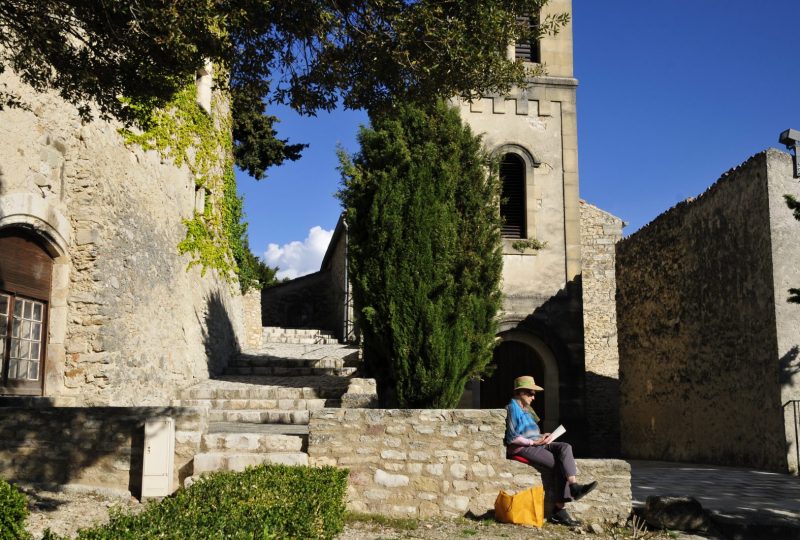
(390, 480)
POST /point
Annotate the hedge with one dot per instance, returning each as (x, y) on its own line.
(266, 502)
(13, 512)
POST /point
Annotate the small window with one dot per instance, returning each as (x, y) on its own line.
(512, 197)
(525, 50)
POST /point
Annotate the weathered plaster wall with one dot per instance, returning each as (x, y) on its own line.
(97, 447)
(423, 463)
(704, 360)
(600, 231)
(128, 323)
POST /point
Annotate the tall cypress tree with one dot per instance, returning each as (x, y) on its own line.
(421, 205)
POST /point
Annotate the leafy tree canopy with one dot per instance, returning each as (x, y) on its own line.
(307, 54)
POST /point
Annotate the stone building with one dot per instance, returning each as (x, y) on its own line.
(708, 343)
(97, 306)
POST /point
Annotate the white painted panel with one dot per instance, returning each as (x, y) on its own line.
(159, 457)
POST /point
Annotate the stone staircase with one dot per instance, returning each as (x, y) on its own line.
(258, 410)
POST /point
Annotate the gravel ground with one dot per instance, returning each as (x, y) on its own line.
(66, 512)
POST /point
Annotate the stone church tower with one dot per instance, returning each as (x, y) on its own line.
(532, 131)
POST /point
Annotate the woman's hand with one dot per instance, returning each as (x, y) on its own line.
(544, 439)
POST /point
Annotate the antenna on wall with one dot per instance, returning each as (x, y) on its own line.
(791, 138)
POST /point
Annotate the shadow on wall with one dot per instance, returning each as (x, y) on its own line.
(789, 366)
(219, 336)
(100, 447)
(558, 323)
(602, 415)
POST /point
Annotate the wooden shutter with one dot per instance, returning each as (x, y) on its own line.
(512, 200)
(524, 49)
(25, 266)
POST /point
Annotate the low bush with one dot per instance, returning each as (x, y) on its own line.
(266, 502)
(13, 512)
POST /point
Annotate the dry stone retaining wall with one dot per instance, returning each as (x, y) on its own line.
(424, 463)
(96, 447)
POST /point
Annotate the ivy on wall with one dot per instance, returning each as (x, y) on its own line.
(216, 236)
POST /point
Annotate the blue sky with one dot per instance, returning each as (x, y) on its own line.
(672, 94)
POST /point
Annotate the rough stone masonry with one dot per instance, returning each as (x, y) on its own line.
(426, 463)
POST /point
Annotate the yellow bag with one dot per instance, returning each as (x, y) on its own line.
(524, 508)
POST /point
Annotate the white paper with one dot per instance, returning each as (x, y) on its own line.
(558, 432)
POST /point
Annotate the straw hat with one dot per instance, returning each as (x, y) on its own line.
(526, 382)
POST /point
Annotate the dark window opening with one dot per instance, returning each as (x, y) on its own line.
(524, 49)
(512, 196)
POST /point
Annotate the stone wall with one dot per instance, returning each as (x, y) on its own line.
(707, 342)
(309, 301)
(128, 325)
(600, 231)
(101, 448)
(424, 463)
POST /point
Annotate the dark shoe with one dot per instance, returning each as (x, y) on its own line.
(578, 491)
(562, 517)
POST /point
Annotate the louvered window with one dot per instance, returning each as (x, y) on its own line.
(524, 49)
(512, 200)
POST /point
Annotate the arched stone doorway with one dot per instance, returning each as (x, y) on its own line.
(26, 269)
(522, 353)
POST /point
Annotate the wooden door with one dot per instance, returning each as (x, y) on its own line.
(25, 274)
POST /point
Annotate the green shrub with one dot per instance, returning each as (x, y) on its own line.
(424, 252)
(13, 511)
(266, 502)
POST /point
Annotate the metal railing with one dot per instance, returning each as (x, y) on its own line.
(792, 409)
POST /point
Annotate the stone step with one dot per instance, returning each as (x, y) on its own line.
(268, 360)
(256, 443)
(293, 351)
(299, 340)
(261, 404)
(220, 461)
(260, 387)
(278, 330)
(252, 416)
(307, 336)
(268, 429)
(289, 371)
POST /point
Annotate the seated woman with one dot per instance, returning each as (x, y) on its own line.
(524, 439)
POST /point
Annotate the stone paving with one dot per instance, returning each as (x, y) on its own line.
(735, 494)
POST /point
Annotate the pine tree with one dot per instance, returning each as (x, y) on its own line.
(421, 202)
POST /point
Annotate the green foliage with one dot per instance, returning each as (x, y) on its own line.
(529, 243)
(13, 512)
(794, 206)
(309, 55)
(403, 524)
(425, 253)
(269, 502)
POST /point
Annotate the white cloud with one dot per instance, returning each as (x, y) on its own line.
(298, 258)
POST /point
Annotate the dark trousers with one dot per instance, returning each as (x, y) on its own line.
(558, 457)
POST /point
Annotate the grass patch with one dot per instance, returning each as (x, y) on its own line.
(402, 524)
